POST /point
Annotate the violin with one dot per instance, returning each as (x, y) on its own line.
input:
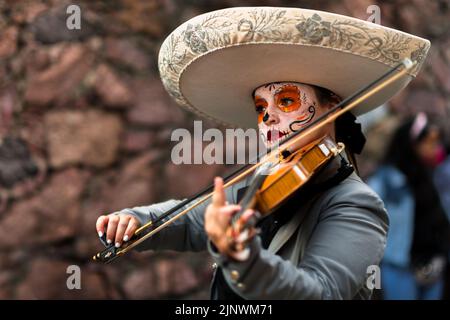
(279, 175)
(267, 190)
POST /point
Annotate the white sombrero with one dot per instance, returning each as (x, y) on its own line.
(212, 63)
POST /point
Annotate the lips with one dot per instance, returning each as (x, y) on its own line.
(274, 135)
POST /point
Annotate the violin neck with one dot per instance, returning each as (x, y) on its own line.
(248, 200)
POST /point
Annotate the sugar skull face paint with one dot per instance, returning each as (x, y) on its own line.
(303, 119)
(261, 107)
(283, 108)
(287, 98)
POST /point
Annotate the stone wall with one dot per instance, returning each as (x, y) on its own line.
(85, 130)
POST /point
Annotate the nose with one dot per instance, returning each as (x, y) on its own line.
(271, 117)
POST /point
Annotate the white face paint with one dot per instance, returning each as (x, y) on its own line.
(286, 107)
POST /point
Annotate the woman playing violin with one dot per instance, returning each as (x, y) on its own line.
(323, 241)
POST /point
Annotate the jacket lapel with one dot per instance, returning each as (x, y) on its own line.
(286, 231)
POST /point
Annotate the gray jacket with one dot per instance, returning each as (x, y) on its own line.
(323, 252)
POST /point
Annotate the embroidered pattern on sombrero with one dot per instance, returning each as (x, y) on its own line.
(229, 27)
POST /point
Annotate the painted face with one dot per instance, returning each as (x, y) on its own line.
(285, 107)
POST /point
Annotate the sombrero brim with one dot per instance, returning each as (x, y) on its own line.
(212, 63)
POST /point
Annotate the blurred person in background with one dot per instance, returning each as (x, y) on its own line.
(417, 246)
(441, 179)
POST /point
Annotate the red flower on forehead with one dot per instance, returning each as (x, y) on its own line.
(271, 85)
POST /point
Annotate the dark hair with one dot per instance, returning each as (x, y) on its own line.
(430, 225)
(401, 151)
(325, 96)
(346, 129)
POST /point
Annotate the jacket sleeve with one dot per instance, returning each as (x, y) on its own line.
(185, 234)
(349, 237)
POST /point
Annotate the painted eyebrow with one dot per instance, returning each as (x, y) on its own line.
(259, 99)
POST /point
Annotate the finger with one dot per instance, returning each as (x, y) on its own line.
(112, 228)
(102, 221)
(133, 224)
(247, 214)
(229, 210)
(248, 219)
(245, 235)
(241, 224)
(121, 227)
(218, 198)
(225, 213)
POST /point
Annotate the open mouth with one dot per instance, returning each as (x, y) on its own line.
(274, 135)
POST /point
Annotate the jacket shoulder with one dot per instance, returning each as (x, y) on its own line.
(354, 194)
